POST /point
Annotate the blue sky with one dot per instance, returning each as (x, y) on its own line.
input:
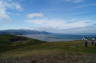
(58, 16)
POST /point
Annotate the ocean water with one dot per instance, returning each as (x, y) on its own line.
(53, 37)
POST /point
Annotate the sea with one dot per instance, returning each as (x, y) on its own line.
(56, 37)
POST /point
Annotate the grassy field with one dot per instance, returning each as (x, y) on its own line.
(49, 52)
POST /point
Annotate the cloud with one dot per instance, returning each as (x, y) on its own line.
(53, 25)
(5, 5)
(32, 15)
(18, 7)
(63, 26)
(15, 5)
(3, 13)
(81, 30)
(74, 1)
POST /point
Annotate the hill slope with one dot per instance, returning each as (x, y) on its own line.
(8, 41)
(35, 51)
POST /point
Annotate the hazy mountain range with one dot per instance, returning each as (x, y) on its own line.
(22, 32)
(47, 36)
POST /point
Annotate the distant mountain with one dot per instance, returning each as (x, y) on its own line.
(22, 32)
(47, 36)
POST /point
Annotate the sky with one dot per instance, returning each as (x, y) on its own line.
(57, 16)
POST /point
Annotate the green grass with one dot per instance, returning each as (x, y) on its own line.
(72, 51)
(10, 42)
(72, 46)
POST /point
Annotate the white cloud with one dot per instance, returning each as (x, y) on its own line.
(63, 26)
(49, 25)
(18, 7)
(81, 30)
(4, 6)
(3, 13)
(15, 5)
(32, 15)
(74, 1)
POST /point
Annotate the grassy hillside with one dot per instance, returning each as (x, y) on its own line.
(35, 51)
(8, 42)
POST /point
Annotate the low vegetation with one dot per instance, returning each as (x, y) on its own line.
(27, 50)
(9, 42)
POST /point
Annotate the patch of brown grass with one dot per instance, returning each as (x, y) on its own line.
(63, 57)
